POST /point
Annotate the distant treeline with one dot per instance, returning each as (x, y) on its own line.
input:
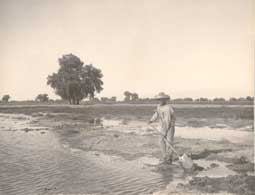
(176, 100)
(132, 99)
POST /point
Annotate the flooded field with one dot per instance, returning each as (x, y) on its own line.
(37, 161)
(82, 150)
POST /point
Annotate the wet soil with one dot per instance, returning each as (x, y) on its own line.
(238, 184)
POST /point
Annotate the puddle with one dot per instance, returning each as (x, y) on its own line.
(215, 134)
(124, 126)
(108, 123)
(18, 122)
(34, 163)
(248, 128)
(214, 169)
(206, 133)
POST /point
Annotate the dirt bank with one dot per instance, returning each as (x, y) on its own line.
(238, 184)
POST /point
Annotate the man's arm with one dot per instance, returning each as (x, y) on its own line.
(173, 117)
(154, 117)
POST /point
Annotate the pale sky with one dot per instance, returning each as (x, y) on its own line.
(186, 48)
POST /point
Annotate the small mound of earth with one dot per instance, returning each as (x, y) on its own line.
(242, 168)
(196, 167)
(238, 184)
(214, 165)
(206, 153)
(240, 165)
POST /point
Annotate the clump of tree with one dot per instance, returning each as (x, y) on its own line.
(113, 98)
(6, 98)
(219, 100)
(95, 99)
(232, 99)
(178, 100)
(134, 96)
(75, 81)
(42, 98)
(106, 99)
(130, 96)
(241, 99)
(249, 98)
(127, 95)
(188, 99)
(202, 99)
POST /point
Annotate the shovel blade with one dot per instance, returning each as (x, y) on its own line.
(186, 161)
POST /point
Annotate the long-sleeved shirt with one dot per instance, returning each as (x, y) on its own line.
(166, 117)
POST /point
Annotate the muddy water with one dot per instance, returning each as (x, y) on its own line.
(38, 162)
(220, 170)
(205, 133)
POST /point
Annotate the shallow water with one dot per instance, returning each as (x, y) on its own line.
(206, 133)
(41, 162)
(37, 160)
(16, 122)
(216, 134)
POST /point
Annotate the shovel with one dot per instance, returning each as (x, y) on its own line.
(185, 161)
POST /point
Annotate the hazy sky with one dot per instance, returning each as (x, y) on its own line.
(182, 47)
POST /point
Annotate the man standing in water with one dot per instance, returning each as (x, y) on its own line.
(165, 114)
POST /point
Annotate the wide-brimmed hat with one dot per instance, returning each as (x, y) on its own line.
(162, 96)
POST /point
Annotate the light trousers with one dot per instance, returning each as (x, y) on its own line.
(166, 151)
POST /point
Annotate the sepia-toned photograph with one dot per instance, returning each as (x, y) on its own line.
(127, 97)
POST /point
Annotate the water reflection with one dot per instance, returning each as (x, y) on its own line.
(206, 133)
(34, 163)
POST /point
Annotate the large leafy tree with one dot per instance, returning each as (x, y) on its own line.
(74, 80)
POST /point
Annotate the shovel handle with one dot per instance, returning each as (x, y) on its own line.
(170, 145)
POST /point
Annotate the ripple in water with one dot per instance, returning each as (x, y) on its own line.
(34, 163)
